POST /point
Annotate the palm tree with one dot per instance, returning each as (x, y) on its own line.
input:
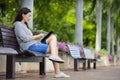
(112, 35)
(116, 17)
(99, 22)
(29, 4)
(79, 18)
(112, 20)
(108, 29)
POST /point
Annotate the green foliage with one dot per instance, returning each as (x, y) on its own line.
(89, 33)
(102, 51)
(7, 13)
(59, 16)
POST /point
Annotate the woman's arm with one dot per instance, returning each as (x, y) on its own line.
(39, 36)
(24, 34)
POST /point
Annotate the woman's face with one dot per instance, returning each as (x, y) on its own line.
(26, 17)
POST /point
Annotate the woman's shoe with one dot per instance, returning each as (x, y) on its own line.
(56, 59)
(61, 75)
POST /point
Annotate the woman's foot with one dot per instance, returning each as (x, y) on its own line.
(56, 59)
(61, 75)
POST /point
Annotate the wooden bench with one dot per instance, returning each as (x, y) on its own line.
(77, 56)
(90, 58)
(10, 47)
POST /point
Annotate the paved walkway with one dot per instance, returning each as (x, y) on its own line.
(101, 73)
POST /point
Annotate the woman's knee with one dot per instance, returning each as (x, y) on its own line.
(53, 37)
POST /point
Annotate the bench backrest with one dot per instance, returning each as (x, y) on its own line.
(88, 53)
(74, 51)
(8, 38)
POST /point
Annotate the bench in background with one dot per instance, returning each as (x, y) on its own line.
(90, 58)
(10, 47)
(76, 55)
(85, 57)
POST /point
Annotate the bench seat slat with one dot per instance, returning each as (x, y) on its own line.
(11, 46)
(6, 42)
(13, 39)
(8, 34)
(7, 51)
(6, 29)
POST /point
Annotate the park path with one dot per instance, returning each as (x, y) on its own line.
(101, 73)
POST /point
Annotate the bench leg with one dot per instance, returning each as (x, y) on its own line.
(42, 67)
(88, 64)
(94, 65)
(10, 67)
(84, 65)
(75, 65)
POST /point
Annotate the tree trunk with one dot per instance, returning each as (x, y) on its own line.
(79, 18)
(112, 36)
(99, 22)
(108, 30)
(29, 4)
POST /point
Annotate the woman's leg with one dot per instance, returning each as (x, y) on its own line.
(56, 67)
(53, 49)
(52, 41)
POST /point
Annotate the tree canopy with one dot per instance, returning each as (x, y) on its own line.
(59, 16)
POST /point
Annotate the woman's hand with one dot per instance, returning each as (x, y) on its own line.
(39, 36)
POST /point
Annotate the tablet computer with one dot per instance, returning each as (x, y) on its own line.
(46, 36)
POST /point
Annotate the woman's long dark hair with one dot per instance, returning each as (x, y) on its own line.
(19, 14)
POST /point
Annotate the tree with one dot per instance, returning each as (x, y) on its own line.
(112, 36)
(112, 9)
(79, 18)
(108, 29)
(99, 22)
(29, 4)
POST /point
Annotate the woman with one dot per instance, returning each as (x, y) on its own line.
(28, 41)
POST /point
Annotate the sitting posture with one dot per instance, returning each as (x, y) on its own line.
(28, 41)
